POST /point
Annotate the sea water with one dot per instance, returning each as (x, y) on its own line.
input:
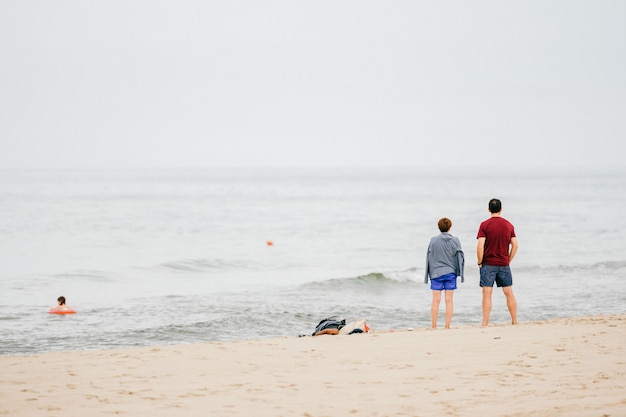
(183, 256)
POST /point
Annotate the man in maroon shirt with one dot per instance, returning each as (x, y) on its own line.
(496, 248)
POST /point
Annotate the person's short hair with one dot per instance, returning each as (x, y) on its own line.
(444, 224)
(495, 205)
(61, 300)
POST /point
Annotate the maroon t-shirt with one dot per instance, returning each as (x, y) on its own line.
(497, 233)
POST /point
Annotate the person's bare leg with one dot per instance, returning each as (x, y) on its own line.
(511, 303)
(449, 307)
(487, 291)
(434, 308)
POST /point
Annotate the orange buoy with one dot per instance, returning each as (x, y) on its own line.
(270, 243)
(61, 310)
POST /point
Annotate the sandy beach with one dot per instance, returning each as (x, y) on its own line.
(564, 367)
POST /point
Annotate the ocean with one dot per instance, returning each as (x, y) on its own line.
(157, 257)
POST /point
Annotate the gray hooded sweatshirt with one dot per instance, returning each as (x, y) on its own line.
(444, 256)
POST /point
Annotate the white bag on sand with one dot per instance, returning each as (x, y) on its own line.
(359, 324)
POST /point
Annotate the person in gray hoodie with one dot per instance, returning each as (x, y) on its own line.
(444, 263)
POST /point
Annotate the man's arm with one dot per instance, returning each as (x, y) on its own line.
(426, 270)
(514, 246)
(480, 250)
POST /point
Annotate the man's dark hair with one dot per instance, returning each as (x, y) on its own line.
(495, 205)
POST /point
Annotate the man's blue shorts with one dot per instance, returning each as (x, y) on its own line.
(444, 282)
(501, 275)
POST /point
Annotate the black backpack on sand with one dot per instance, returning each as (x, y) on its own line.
(330, 325)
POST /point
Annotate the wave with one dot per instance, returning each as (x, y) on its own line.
(412, 277)
(84, 274)
(204, 265)
(368, 281)
(602, 267)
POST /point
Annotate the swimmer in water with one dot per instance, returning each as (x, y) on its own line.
(61, 308)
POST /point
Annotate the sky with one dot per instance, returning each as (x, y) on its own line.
(254, 83)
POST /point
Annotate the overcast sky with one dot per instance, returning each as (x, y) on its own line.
(146, 83)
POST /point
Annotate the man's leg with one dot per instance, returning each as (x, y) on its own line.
(434, 308)
(487, 291)
(449, 307)
(511, 302)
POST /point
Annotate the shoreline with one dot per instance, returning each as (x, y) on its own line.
(559, 367)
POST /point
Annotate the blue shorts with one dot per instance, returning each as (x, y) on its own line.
(501, 275)
(444, 282)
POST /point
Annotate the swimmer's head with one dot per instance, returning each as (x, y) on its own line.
(61, 300)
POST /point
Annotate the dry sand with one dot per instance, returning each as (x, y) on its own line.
(565, 367)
